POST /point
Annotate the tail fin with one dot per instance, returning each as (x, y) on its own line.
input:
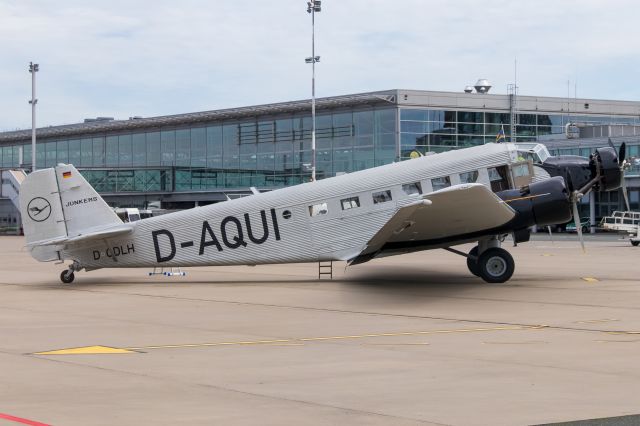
(59, 203)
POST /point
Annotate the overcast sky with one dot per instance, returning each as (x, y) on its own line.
(155, 57)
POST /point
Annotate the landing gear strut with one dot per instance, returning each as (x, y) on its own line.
(67, 276)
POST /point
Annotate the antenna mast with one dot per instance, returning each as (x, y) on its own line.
(512, 90)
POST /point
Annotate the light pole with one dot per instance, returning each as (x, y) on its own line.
(313, 6)
(33, 69)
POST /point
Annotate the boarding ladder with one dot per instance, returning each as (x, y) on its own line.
(10, 188)
(325, 270)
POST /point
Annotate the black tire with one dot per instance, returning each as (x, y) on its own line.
(635, 243)
(67, 277)
(473, 264)
(496, 265)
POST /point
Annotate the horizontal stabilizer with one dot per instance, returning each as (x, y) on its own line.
(92, 236)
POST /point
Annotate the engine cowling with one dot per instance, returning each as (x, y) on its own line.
(542, 203)
(579, 171)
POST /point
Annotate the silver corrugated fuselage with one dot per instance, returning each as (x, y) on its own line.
(276, 226)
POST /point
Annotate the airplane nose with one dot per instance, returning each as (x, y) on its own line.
(605, 164)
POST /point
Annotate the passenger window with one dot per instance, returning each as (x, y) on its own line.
(381, 197)
(412, 188)
(440, 183)
(318, 209)
(350, 203)
(469, 177)
(498, 178)
(520, 170)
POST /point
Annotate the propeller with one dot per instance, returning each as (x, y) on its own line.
(576, 220)
(576, 196)
(624, 193)
(622, 153)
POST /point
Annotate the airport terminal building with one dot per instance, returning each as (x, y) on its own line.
(184, 160)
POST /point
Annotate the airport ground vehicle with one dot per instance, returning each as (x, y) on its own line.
(627, 222)
(584, 225)
(129, 214)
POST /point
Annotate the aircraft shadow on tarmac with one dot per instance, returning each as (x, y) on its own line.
(380, 283)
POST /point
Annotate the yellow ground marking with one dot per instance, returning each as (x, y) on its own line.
(547, 254)
(596, 320)
(301, 340)
(399, 344)
(528, 342)
(617, 341)
(87, 350)
(590, 279)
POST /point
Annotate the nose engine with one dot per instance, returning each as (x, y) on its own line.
(542, 203)
(600, 172)
(607, 164)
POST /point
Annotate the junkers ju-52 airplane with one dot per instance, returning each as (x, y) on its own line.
(478, 194)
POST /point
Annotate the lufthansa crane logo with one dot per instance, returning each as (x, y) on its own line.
(39, 209)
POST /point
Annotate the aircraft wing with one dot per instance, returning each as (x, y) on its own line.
(111, 232)
(455, 211)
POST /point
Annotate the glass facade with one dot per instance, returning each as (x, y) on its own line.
(275, 151)
(425, 130)
(260, 152)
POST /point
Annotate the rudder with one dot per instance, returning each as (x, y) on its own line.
(40, 207)
(73, 206)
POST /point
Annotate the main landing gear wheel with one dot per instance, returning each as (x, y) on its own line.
(67, 276)
(635, 243)
(495, 265)
(472, 262)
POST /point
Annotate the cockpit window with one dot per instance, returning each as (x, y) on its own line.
(520, 170)
(498, 178)
(535, 152)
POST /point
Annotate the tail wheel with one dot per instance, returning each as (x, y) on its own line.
(67, 276)
(472, 262)
(495, 265)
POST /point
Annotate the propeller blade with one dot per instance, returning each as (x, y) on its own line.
(569, 180)
(624, 193)
(622, 153)
(576, 220)
(611, 144)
